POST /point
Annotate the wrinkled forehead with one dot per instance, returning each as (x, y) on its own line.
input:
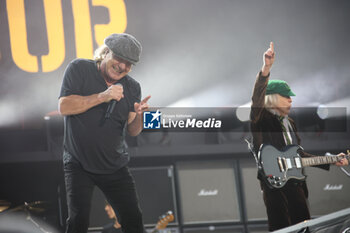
(119, 59)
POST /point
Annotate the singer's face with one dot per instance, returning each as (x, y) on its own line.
(114, 68)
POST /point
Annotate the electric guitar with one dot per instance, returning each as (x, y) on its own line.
(278, 167)
(163, 221)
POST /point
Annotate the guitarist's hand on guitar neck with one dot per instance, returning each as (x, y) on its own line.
(344, 161)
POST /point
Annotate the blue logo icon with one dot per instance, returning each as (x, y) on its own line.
(151, 120)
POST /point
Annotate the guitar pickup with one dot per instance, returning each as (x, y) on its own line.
(288, 163)
(297, 162)
(281, 164)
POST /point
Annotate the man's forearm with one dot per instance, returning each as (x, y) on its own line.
(76, 104)
(265, 70)
(136, 126)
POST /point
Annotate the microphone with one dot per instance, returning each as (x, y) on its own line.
(111, 105)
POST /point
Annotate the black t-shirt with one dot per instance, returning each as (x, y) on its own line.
(98, 144)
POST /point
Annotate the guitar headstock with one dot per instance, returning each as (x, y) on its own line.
(164, 220)
(347, 154)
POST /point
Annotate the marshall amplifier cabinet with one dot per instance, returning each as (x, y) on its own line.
(207, 191)
(328, 190)
(155, 187)
(254, 203)
(98, 215)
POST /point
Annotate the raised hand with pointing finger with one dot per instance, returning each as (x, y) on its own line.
(271, 125)
(269, 58)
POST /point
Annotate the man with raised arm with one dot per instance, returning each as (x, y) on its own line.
(270, 124)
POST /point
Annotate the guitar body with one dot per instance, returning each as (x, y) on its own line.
(278, 167)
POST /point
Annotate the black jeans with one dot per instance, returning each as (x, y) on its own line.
(285, 206)
(119, 189)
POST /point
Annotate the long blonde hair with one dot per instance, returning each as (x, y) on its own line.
(271, 101)
(100, 53)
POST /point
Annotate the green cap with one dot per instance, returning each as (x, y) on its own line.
(279, 87)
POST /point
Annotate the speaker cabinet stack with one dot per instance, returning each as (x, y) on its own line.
(254, 203)
(207, 191)
(156, 189)
(328, 190)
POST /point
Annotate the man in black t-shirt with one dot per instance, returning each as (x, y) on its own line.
(100, 102)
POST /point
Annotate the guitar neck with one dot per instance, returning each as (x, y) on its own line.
(319, 160)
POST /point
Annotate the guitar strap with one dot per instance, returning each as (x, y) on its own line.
(249, 141)
(286, 128)
(294, 137)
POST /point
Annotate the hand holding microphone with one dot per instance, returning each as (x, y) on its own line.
(114, 94)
